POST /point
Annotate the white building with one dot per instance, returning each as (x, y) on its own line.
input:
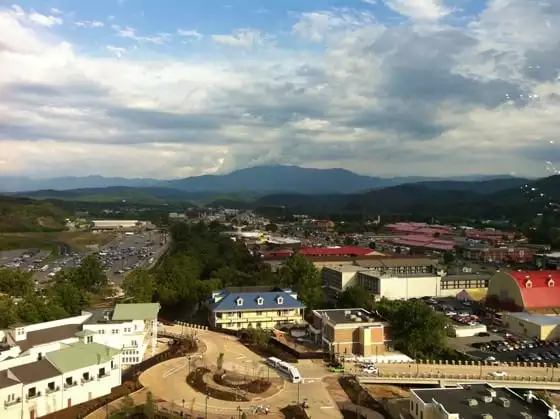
(118, 224)
(50, 366)
(392, 278)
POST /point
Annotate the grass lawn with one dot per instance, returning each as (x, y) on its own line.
(77, 240)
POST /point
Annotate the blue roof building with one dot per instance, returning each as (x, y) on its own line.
(258, 307)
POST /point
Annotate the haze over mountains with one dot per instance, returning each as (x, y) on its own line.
(260, 180)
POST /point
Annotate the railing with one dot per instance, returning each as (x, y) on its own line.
(52, 390)
(448, 376)
(87, 380)
(101, 376)
(10, 403)
(33, 396)
(70, 385)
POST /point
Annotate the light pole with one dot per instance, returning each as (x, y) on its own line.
(206, 407)
(298, 392)
(239, 411)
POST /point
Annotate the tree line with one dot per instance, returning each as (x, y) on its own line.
(70, 291)
(201, 260)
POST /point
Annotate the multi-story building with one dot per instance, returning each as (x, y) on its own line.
(547, 260)
(478, 401)
(346, 332)
(386, 277)
(59, 379)
(506, 254)
(239, 308)
(127, 327)
(475, 285)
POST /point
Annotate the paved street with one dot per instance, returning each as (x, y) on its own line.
(168, 380)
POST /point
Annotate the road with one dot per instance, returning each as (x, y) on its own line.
(167, 381)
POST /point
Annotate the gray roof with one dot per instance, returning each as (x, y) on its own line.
(53, 334)
(35, 371)
(6, 381)
(456, 400)
(342, 316)
(540, 319)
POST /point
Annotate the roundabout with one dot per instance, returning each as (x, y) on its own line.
(195, 384)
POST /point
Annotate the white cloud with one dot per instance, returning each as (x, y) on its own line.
(190, 33)
(419, 9)
(130, 33)
(243, 38)
(35, 18)
(89, 24)
(56, 11)
(388, 100)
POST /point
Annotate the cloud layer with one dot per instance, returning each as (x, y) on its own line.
(435, 93)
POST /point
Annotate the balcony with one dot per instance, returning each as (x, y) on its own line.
(52, 390)
(70, 385)
(11, 403)
(87, 380)
(33, 396)
(101, 376)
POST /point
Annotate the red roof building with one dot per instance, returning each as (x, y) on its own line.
(424, 242)
(337, 251)
(525, 290)
(420, 228)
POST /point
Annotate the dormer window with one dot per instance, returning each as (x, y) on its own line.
(550, 282)
(260, 301)
(280, 300)
(528, 284)
(239, 301)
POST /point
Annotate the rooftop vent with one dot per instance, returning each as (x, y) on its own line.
(504, 402)
(347, 312)
(487, 399)
(491, 392)
(526, 415)
(357, 319)
(473, 402)
(486, 416)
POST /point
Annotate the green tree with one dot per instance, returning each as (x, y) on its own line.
(356, 297)
(16, 282)
(448, 257)
(273, 228)
(417, 330)
(8, 315)
(90, 275)
(220, 361)
(149, 408)
(138, 285)
(68, 296)
(300, 274)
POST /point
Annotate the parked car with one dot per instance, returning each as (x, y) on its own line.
(370, 370)
(498, 374)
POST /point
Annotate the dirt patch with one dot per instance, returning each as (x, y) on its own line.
(293, 412)
(196, 380)
(386, 391)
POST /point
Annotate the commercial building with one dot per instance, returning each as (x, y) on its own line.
(539, 326)
(417, 242)
(347, 251)
(259, 307)
(421, 229)
(478, 401)
(346, 332)
(465, 286)
(525, 290)
(121, 225)
(392, 278)
(506, 254)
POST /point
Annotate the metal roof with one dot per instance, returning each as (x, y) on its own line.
(250, 301)
(140, 311)
(80, 355)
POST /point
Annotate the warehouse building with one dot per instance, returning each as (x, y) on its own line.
(539, 326)
(525, 290)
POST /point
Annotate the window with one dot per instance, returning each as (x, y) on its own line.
(102, 372)
(11, 397)
(69, 381)
(280, 300)
(239, 302)
(32, 392)
(115, 331)
(85, 376)
(89, 339)
(260, 301)
(259, 313)
(51, 386)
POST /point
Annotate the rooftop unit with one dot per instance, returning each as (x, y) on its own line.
(504, 402)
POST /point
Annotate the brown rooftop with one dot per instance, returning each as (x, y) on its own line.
(35, 371)
(6, 381)
(395, 262)
(53, 334)
(329, 258)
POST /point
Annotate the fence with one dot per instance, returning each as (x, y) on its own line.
(514, 364)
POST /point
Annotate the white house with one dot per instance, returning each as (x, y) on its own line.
(63, 378)
(50, 366)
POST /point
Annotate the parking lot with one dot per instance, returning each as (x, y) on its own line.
(25, 259)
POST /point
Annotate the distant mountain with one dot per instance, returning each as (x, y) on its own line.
(260, 180)
(20, 183)
(294, 179)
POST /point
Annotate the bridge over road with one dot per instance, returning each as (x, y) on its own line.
(516, 375)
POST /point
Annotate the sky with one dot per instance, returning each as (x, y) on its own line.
(177, 88)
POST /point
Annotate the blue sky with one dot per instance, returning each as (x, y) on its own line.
(176, 88)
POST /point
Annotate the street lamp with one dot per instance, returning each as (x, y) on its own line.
(298, 392)
(239, 411)
(206, 407)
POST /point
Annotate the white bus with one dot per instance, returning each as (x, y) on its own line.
(289, 370)
(273, 362)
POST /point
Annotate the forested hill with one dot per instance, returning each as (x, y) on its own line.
(26, 215)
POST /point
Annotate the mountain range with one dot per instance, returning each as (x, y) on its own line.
(260, 180)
